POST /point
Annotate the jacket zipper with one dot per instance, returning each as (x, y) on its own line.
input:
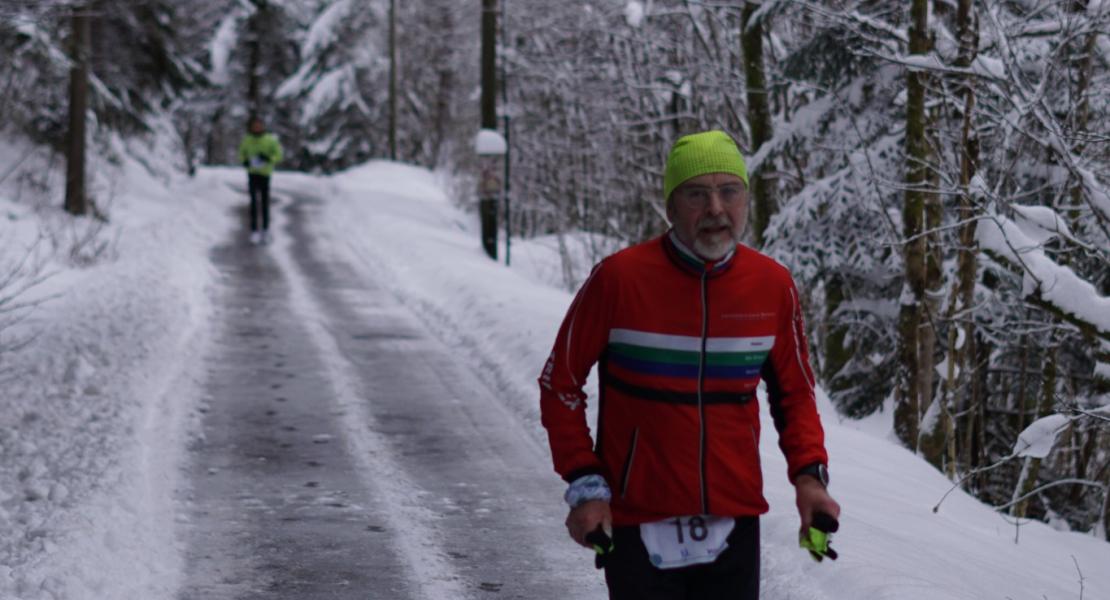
(701, 384)
(628, 462)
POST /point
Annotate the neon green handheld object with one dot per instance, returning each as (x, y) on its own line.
(817, 539)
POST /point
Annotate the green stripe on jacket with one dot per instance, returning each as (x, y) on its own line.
(680, 357)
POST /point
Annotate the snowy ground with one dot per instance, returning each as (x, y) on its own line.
(95, 424)
(93, 413)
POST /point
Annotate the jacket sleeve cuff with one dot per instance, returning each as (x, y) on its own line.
(587, 488)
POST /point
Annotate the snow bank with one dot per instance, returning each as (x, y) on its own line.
(91, 422)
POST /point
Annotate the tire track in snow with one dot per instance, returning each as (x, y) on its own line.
(429, 570)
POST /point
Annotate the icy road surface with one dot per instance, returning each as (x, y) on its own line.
(345, 453)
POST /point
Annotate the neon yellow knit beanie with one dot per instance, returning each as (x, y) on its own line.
(699, 154)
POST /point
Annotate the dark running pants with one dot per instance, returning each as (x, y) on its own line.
(733, 576)
(259, 186)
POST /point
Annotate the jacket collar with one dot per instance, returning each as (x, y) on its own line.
(689, 261)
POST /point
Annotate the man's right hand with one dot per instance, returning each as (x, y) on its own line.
(586, 517)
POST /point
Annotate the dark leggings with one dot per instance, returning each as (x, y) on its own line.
(733, 576)
(259, 186)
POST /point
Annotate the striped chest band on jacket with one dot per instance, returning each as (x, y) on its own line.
(735, 361)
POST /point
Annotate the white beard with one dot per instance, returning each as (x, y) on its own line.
(716, 250)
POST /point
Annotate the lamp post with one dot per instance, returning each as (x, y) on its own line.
(491, 148)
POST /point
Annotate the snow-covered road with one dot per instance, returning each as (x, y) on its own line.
(355, 410)
(347, 453)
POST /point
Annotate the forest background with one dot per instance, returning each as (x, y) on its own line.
(935, 173)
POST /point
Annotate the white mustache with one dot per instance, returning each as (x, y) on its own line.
(713, 223)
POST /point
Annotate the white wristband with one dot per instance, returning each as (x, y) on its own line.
(586, 488)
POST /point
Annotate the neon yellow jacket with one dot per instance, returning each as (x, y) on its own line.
(261, 153)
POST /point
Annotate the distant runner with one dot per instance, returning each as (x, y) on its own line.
(259, 152)
(683, 327)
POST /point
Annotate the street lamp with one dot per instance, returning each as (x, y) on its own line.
(491, 148)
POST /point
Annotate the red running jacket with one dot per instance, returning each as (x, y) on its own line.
(681, 346)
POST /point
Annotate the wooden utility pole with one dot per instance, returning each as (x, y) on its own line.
(489, 64)
(76, 198)
(392, 79)
(487, 202)
(507, 187)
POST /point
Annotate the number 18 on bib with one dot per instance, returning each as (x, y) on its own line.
(686, 541)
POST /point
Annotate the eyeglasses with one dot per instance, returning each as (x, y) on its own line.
(698, 196)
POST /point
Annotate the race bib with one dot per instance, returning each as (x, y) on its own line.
(685, 541)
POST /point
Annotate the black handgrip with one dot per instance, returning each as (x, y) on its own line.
(602, 544)
(825, 522)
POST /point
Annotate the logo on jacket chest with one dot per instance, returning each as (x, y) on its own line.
(748, 316)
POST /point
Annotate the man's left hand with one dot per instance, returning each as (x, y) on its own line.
(813, 498)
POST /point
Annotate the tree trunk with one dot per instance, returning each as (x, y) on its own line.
(1082, 113)
(908, 402)
(931, 442)
(1032, 467)
(947, 401)
(215, 152)
(1087, 451)
(759, 118)
(254, 58)
(980, 391)
(445, 91)
(961, 324)
(835, 354)
(392, 79)
(1022, 405)
(76, 198)
(1106, 509)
